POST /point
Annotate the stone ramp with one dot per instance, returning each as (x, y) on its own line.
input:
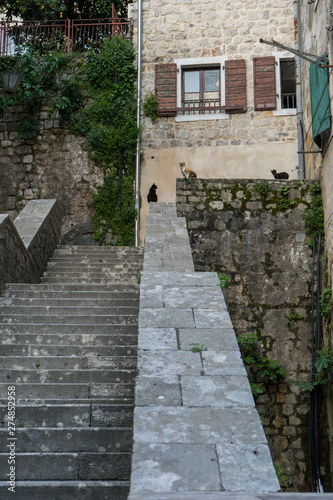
(197, 433)
(69, 348)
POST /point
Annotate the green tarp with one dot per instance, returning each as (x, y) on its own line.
(320, 100)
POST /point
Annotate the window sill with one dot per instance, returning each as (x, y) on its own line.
(193, 118)
(285, 112)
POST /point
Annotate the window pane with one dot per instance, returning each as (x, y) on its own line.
(191, 81)
(288, 83)
(212, 80)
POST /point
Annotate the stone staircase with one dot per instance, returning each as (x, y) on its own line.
(69, 347)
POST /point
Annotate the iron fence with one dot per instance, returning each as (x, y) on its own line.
(69, 35)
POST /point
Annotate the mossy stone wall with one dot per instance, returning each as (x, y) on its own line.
(254, 231)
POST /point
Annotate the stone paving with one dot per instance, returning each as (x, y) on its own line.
(196, 428)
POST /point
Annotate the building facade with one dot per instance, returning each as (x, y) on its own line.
(227, 103)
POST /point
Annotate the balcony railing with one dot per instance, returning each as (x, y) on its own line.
(195, 107)
(70, 35)
(288, 101)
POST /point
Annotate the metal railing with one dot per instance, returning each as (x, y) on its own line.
(70, 35)
(196, 107)
(288, 101)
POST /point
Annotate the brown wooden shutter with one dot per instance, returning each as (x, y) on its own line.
(235, 86)
(166, 88)
(264, 83)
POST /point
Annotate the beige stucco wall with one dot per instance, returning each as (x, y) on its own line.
(161, 166)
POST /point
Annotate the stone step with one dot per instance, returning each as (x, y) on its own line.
(67, 466)
(112, 355)
(111, 319)
(70, 392)
(35, 401)
(67, 362)
(70, 415)
(115, 376)
(77, 249)
(89, 279)
(63, 328)
(67, 310)
(67, 490)
(60, 301)
(75, 287)
(46, 340)
(69, 439)
(48, 295)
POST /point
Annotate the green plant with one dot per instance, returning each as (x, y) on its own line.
(314, 214)
(323, 371)
(282, 478)
(271, 368)
(248, 340)
(284, 203)
(293, 316)
(261, 188)
(139, 278)
(224, 280)
(150, 106)
(256, 388)
(198, 347)
(326, 302)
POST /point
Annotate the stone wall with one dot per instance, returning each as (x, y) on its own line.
(261, 242)
(53, 165)
(27, 244)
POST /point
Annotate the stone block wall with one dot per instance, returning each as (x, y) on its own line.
(261, 243)
(27, 244)
(53, 165)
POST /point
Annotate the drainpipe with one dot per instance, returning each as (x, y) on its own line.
(300, 137)
(137, 162)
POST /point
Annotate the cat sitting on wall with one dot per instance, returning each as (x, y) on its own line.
(187, 173)
(281, 175)
(152, 196)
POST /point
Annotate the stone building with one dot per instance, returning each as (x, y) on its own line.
(315, 34)
(227, 103)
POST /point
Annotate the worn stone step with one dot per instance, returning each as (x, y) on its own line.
(88, 278)
(60, 301)
(86, 340)
(67, 310)
(68, 377)
(70, 415)
(48, 400)
(74, 249)
(69, 439)
(74, 287)
(68, 466)
(67, 362)
(71, 392)
(49, 296)
(55, 328)
(67, 490)
(116, 356)
(111, 319)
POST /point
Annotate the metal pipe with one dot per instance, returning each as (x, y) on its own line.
(137, 162)
(300, 137)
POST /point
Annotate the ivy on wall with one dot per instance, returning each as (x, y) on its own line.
(95, 94)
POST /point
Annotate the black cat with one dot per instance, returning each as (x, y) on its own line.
(152, 196)
(281, 175)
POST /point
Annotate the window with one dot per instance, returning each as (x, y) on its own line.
(287, 83)
(275, 84)
(201, 89)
